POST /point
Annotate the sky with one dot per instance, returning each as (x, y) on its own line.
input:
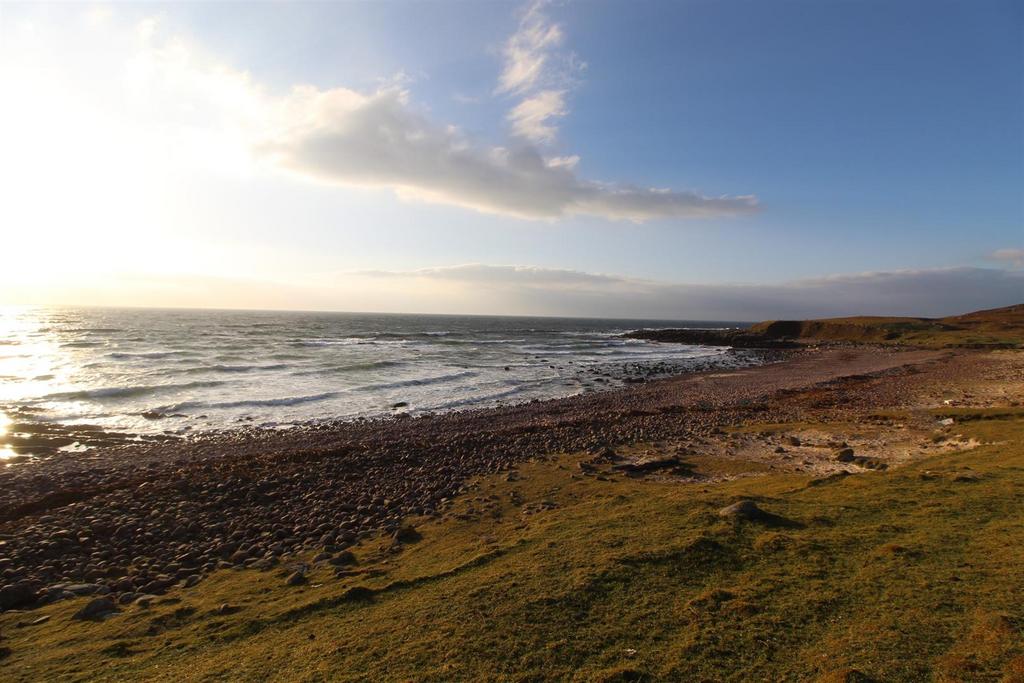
(734, 160)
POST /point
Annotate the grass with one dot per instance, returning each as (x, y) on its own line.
(996, 328)
(908, 575)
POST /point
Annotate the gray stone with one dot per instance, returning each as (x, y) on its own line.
(145, 600)
(96, 608)
(745, 509)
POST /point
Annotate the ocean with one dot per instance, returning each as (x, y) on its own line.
(147, 371)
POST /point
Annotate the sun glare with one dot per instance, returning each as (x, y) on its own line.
(100, 153)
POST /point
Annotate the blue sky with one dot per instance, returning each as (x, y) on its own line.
(786, 141)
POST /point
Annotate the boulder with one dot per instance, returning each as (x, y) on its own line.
(343, 559)
(17, 595)
(145, 600)
(745, 509)
(407, 533)
(96, 608)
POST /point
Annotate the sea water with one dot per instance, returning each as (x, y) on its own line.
(176, 371)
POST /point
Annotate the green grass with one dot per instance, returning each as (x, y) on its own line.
(909, 575)
(996, 328)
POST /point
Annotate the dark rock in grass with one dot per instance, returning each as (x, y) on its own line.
(407, 533)
(296, 579)
(847, 676)
(648, 465)
(343, 559)
(845, 455)
(96, 608)
(17, 595)
(357, 594)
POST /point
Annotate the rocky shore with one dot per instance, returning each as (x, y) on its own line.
(134, 520)
(733, 337)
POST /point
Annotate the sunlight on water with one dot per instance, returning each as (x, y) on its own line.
(30, 360)
(6, 452)
(178, 371)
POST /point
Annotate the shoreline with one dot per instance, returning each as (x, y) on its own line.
(31, 439)
(252, 499)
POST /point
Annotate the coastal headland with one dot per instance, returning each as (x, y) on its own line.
(847, 512)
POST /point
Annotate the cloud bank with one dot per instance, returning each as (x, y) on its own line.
(1010, 256)
(931, 292)
(530, 290)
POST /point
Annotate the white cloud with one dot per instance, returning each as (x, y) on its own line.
(165, 105)
(1011, 256)
(380, 140)
(530, 51)
(488, 275)
(535, 70)
(531, 117)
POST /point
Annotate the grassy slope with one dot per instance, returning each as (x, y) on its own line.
(906, 575)
(996, 327)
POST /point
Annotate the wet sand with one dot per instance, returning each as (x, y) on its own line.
(140, 518)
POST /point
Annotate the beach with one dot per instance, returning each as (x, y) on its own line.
(141, 518)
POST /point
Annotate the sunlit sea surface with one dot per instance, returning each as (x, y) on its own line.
(176, 371)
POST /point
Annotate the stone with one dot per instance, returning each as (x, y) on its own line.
(145, 600)
(845, 455)
(648, 465)
(17, 595)
(407, 533)
(745, 509)
(343, 559)
(96, 608)
(296, 579)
